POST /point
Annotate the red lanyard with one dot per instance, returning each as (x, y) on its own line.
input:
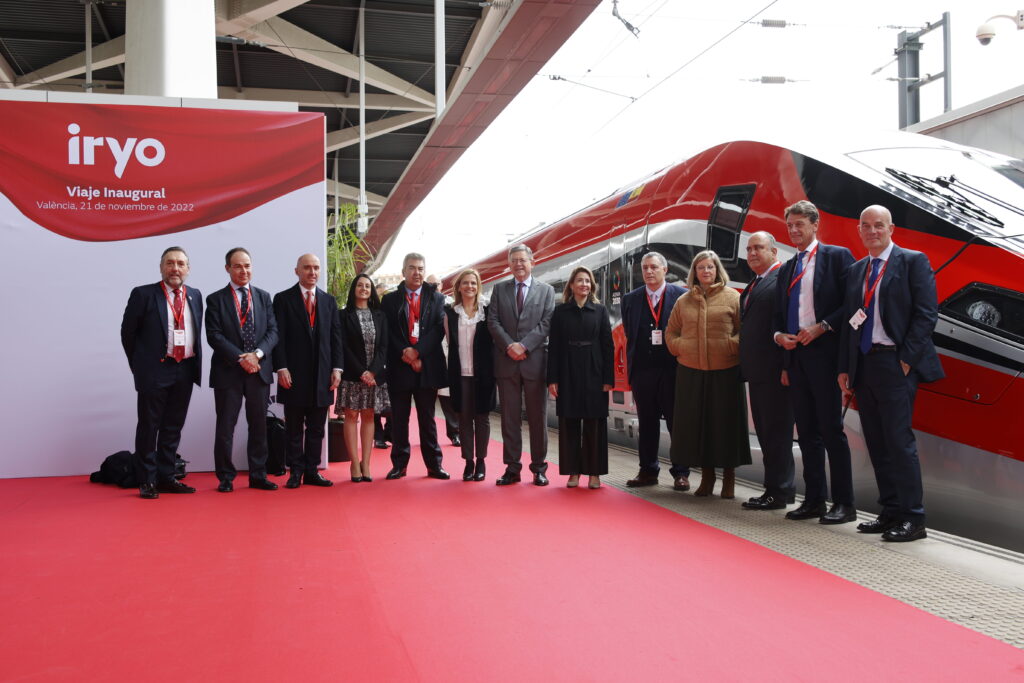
(806, 266)
(238, 307)
(870, 293)
(656, 314)
(179, 322)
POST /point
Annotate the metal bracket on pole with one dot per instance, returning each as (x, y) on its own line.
(909, 81)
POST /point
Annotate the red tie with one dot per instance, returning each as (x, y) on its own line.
(310, 308)
(179, 351)
(414, 316)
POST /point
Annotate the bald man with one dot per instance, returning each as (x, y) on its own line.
(308, 360)
(886, 350)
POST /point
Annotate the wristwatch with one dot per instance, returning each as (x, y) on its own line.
(825, 327)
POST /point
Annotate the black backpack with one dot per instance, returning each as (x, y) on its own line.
(277, 438)
(119, 469)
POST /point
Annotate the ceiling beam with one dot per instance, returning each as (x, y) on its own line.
(105, 54)
(346, 137)
(324, 99)
(351, 192)
(237, 15)
(485, 32)
(7, 75)
(288, 39)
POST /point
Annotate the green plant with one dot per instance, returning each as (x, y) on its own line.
(346, 251)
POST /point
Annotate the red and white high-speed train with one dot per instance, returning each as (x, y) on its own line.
(959, 205)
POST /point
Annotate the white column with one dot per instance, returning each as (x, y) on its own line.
(170, 48)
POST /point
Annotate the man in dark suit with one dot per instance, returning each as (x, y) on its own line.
(242, 331)
(308, 359)
(650, 367)
(160, 335)
(811, 286)
(891, 310)
(519, 318)
(761, 364)
(416, 365)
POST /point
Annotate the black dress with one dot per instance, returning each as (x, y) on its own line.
(580, 362)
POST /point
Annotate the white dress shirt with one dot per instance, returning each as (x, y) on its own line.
(467, 333)
(878, 335)
(186, 323)
(806, 315)
(655, 295)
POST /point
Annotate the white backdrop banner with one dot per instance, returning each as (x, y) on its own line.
(90, 195)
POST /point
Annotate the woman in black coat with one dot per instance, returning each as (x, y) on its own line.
(363, 391)
(580, 375)
(471, 371)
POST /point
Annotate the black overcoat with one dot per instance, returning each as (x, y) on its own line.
(580, 359)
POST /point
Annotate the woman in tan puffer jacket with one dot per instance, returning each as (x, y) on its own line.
(709, 427)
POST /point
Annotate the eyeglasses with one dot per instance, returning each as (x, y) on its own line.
(519, 261)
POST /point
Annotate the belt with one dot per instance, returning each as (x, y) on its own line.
(881, 348)
(580, 343)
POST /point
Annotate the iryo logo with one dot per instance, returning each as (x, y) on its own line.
(84, 151)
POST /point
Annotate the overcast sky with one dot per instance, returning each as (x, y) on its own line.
(561, 145)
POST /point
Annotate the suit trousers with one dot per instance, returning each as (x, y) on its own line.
(654, 395)
(228, 401)
(818, 410)
(305, 427)
(161, 414)
(401, 411)
(513, 392)
(885, 399)
(773, 422)
(474, 427)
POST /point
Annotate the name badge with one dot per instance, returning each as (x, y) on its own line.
(858, 319)
(179, 337)
(656, 338)
(416, 329)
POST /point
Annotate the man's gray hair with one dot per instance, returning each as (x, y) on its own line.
(767, 236)
(523, 248)
(662, 261)
(412, 256)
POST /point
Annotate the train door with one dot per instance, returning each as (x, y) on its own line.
(725, 224)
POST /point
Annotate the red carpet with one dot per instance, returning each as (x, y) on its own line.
(431, 580)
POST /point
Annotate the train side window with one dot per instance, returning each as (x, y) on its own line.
(990, 308)
(726, 221)
(679, 257)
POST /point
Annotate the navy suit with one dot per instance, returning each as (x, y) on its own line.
(231, 384)
(164, 386)
(309, 353)
(652, 373)
(761, 365)
(908, 310)
(813, 390)
(405, 385)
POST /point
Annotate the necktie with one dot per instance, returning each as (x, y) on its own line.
(793, 311)
(414, 316)
(750, 290)
(869, 323)
(654, 300)
(179, 307)
(520, 297)
(248, 327)
(310, 308)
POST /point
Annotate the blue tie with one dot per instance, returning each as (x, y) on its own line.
(249, 328)
(793, 312)
(869, 323)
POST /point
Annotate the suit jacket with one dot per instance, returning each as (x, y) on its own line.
(309, 354)
(224, 333)
(760, 356)
(144, 335)
(355, 347)
(908, 308)
(529, 329)
(633, 306)
(434, 373)
(831, 264)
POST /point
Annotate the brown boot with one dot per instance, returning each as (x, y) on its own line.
(729, 482)
(707, 482)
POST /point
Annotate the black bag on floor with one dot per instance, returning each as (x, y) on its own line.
(277, 438)
(119, 469)
(179, 466)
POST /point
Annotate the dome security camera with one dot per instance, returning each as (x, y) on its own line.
(985, 33)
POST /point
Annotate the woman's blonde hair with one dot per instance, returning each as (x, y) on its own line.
(720, 274)
(567, 295)
(457, 294)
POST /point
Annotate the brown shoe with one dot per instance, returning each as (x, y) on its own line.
(729, 482)
(643, 479)
(681, 484)
(707, 482)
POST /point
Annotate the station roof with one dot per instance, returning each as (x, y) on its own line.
(302, 51)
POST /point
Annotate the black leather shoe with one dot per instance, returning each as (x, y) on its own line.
(294, 480)
(681, 484)
(262, 483)
(467, 473)
(148, 491)
(508, 478)
(456, 441)
(839, 514)
(380, 444)
(539, 479)
(878, 526)
(764, 502)
(807, 510)
(643, 479)
(366, 479)
(439, 473)
(396, 473)
(225, 486)
(316, 479)
(904, 532)
(480, 472)
(174, 486)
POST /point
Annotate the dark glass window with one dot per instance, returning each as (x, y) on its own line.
(726, 221)
(990, 308)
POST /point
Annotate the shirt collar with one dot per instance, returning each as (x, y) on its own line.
(657, 292)
(307, 291)
(528, 282)
(812, 246)
(885, 254)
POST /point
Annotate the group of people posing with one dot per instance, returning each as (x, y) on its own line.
(802, 336)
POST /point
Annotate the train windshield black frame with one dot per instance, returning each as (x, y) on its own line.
(725, 223)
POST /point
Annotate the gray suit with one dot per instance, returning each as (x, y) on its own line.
(525, 379)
